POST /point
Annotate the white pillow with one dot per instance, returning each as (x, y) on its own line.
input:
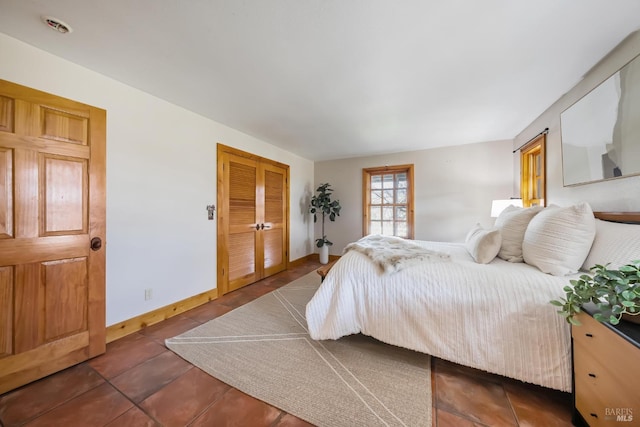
(483, 245)
(512, 223)
(558, 240)
(615, 243)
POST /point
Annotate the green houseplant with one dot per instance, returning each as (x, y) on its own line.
(321, 204)
(616, 293)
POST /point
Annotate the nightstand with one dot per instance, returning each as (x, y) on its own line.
(606, 372)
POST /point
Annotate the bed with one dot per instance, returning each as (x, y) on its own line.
(490, 314)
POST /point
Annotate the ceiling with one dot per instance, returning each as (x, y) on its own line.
(329, 79)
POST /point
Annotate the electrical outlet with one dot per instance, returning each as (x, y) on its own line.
(147, 294)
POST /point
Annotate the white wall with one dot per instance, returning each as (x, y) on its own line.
(454, 187)
(622, 194)
(161, 174)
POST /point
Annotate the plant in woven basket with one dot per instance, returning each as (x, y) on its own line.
(616, 293)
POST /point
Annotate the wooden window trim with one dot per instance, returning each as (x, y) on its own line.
(366, 194)
(533, 148)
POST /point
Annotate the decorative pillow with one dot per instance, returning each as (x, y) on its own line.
(512, 223)
(615, 244)
(483, 245)
(558, 239)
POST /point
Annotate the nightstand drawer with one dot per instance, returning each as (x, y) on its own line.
(606, 374)
(601, 389)
(606, 347)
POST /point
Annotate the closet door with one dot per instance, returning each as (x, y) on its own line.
(274, 231)
(52, 220)
(252, 218)
(240, 222)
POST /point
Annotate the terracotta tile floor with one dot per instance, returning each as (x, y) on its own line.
(139, 382)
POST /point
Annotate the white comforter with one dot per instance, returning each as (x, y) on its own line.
(495, 317)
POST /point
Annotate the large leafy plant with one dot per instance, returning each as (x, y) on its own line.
(614, 292)
(321, 204)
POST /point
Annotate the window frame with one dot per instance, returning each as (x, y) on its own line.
(533, 175)
(367, 173)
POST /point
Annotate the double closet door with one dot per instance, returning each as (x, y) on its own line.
(253, 223)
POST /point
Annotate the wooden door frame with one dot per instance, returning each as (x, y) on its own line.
(222, 244)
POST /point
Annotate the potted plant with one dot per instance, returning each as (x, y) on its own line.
(321, 203)
(616, 293)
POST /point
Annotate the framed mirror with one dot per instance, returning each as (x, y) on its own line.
(601, 131)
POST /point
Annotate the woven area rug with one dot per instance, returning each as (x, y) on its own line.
(263, 349)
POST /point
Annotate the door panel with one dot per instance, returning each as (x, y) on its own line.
(29, 307)
(272, 248)
(6, 114)
(65, 127)
(275, 214)
(25, 189)
(6, 193)
(242, 194)
(52, 161)
(242, 262)
(274, 195)
(63, 182)
(6, 311)
(65, 288)
(241, 215)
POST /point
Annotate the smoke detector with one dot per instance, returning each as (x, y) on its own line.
(57, 25)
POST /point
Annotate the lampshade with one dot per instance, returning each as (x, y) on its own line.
(497, 206)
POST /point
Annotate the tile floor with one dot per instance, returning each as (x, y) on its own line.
(139, 382)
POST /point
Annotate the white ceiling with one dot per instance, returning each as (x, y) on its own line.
(340, 78)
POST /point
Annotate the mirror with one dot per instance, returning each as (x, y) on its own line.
(601, 132)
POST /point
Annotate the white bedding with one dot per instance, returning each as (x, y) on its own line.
(495, 317)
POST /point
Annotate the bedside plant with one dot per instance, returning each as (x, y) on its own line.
(321, 203)
(616, 292)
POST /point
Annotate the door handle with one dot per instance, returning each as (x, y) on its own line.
(96, 243)
(257, 226)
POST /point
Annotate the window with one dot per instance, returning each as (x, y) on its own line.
(388, 201)
(532, 170)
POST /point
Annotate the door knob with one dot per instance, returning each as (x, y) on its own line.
(96, 243)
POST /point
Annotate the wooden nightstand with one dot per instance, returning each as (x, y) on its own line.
(606, 372)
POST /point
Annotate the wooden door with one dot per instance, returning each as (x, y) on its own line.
(52, 204)
(252, 218)
(238, 212)
(274, 233)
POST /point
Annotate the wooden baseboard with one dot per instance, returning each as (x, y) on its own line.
(298, 262)
(137, 323)
(140, 322)
(311, 257)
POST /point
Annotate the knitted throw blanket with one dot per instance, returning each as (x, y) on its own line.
(392, 254)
